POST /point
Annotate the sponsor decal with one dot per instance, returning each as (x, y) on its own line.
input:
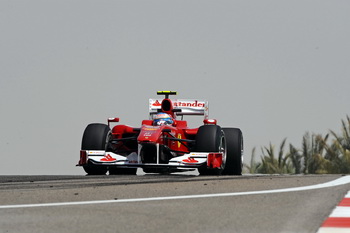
(189, 104)
(157, 104)
(179, 143)
(190, 160)
(149, 128)
(95, 152)
(108, 158)
(183, 103)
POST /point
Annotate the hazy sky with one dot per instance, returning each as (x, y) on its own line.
(275, 69)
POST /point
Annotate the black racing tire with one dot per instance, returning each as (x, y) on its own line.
(95, 137)
(92, 169)
(209, 138)
(234, 151)
(122, 171)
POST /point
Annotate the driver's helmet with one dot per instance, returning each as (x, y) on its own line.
(162, 119)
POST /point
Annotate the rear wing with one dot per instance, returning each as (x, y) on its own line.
(182, 107)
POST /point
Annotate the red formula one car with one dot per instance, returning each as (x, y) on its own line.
(164, 143)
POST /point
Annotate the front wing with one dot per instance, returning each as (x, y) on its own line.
(190, 160)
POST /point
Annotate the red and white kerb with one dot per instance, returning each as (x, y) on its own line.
(339, 220)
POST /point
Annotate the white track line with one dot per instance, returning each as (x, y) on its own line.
(337, 182)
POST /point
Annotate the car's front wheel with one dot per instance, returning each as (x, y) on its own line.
(234, 151)
(95, 137)
(211, 138)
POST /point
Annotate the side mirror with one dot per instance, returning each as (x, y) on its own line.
(115, 119)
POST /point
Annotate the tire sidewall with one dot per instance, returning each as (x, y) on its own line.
(95, 137)
(210, 139)
(234, 151)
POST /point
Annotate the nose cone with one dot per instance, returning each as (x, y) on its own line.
(149, 134)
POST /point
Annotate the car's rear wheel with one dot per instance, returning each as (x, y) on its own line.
(210, 138)
(234, 151)
(95, 137)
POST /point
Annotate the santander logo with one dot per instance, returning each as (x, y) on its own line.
(108, 158)
(193, 104)
(156, 103)
(189, 104)
(190, 160)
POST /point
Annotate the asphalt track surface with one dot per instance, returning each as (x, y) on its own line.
(168, 203)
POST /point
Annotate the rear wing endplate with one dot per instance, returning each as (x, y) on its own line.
(186, 107)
